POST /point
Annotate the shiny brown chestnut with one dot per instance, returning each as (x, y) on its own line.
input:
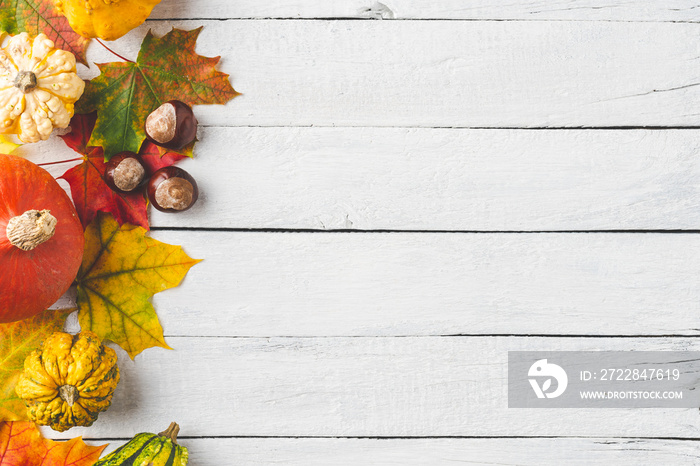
(124, 172)
(172, 189)
(172, 125)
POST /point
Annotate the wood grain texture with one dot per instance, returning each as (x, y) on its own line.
(446, 73)
(301, 284)
(580, 10)
(366, 387)
(436, 179)
(421, 179)
(438, 452)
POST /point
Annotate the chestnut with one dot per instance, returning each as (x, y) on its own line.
(172, 189)
(124, 172)
(172, 125)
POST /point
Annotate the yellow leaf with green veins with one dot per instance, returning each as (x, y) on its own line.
(17, 340)
(122, 268)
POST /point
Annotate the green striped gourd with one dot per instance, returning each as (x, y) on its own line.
(149, 450)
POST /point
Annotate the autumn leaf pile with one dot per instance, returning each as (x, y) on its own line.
(122, 266)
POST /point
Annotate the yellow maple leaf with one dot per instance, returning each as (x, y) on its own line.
(7, 145)
(122, 268)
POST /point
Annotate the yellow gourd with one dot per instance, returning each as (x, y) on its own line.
(106, 19)
(68, 381)
(38, 87)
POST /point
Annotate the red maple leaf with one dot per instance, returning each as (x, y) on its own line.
(87, 186)
(154, 159)
(90, 192)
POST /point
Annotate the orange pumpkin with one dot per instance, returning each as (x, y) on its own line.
(41, 239)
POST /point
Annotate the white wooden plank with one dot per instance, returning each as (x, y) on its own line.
(258, 284)
(582, 10)
(427, 179)
(366, 387)
(437, 452)
(446, 73)
(408, 179)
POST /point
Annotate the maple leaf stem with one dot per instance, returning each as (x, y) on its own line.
(113, 52)
(60, 161)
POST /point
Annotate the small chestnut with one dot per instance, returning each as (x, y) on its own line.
(172, 189)
(172, 125)
(124, 172)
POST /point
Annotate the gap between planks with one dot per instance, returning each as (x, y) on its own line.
(461, 20)
(424, 10)
(461, 335)
(554, 451)
(423, 437)
(466, 232)
(438, 451)
(483, 128)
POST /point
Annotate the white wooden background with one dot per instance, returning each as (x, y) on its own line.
(395, 202)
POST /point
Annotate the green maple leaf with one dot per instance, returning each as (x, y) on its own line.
(167, 68)
(37, 16)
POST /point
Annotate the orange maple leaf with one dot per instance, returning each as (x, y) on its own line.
(21, 444)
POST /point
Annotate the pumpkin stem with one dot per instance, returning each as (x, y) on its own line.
(25, 81)
(171, 432)
(30, 229)
(68, 393)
